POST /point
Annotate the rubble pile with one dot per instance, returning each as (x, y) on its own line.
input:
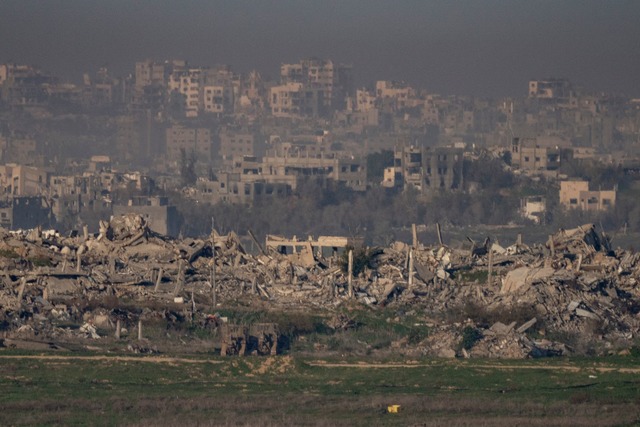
(576, 284)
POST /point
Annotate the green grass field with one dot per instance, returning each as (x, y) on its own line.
(89, 389)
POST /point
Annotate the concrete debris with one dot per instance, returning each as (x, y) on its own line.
(523, 328)
(90, 331)
(575, 283)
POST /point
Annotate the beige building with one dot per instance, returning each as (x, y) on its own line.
(4, 73)
(20, 180)
(365, 100)
(426, 169)
(217, 99)
(239, 142)
(324, 167)
(539, 154)
(550, 89)
(237, 188)
(71, 195)
(577, 195)
(152, 73)
(289, 168)
(194, 140)
(395, 95)
(533, 208)
(332, 80)
(19, 149)
(253, 92)
(295, 100)
(188, 84)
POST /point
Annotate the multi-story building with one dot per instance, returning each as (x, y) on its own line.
(323, 167)
(295, 100)
(214, 99)
(151, 82)
(71, 195)
(24, 212)
(394, 95)
(152, 73)
(189, 140)
(187, 84)
(550, 89)
(426, 169)
(205, 90)
(20, 149)
(21, 180)
(253, 92)
(332, 81)
(236, 188)
(239, 142)
(220, 89)
(577, 195)
(131, 142)
(99, 90)
(24, 85)
(249, 178)
(539, 154)
(365, 100)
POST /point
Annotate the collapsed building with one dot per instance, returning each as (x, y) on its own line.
(574, 283)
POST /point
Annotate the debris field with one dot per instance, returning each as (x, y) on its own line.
(574, 289)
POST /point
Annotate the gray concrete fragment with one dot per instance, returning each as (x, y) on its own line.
(526, 325)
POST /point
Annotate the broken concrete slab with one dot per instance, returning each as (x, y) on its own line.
(526, 325)
(524, 276)
(585, 313)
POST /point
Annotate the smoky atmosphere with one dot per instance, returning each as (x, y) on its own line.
(482, 48)
(323, 213)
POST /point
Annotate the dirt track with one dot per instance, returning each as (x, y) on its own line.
(145, 359)
(476, 366)
(322, 364)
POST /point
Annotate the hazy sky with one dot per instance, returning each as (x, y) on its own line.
(482, 47)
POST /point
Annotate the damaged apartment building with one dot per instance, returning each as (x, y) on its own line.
(542, 155)
(279, 172)
(426, 169)
(312, 87)
(23, 203)
(33, 196)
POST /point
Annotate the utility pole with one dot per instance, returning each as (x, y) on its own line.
(350, 274)
(214, 296)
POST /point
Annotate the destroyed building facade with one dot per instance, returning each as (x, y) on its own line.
(426, 169)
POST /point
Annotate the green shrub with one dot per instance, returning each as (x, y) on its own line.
(482, 316)
(40, 262)
(470, 336)
(8, 253)
(470, 276)
(361, 259)
(417, 334)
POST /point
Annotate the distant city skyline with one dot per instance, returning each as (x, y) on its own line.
(483, 48)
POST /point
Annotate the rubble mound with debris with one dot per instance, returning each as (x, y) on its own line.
(581, 294)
